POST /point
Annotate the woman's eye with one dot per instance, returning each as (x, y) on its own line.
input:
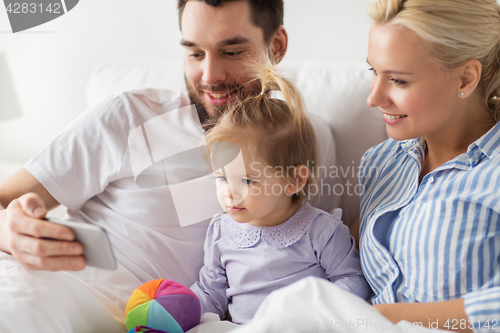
(221, 179)
(248, 181)
(373, 70)
(398, 82)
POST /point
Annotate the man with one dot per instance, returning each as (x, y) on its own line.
(88, 169)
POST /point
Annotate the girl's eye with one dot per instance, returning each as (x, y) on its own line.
(221, 179)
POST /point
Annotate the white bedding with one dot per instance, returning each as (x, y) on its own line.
(316, 305)
(309, 305)
(67, 305)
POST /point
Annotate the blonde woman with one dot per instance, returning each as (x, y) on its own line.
(430, 216)
(430, 213)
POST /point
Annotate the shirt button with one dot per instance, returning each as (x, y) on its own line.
(431, 179)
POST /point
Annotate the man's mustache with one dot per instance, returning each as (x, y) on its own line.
(200, 87)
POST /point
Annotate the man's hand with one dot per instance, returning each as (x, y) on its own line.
(36, 243)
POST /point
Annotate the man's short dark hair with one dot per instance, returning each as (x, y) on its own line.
(266, 14)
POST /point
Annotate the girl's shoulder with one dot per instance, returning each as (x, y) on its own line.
(325, 226)
(220, 221)
(321, 221)
(319, 217)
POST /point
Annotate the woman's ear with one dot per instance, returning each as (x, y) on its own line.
(470, 74)
(278, 45)
(300, 175)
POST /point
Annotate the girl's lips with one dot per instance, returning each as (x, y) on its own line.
(219, 97)
(235, 209)
(391, 119)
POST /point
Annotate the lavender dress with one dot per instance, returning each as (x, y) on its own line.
(245, 263)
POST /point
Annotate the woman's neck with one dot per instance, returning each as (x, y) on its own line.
(448, 144)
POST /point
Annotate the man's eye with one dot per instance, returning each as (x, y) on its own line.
(232, 54)
(196, 55)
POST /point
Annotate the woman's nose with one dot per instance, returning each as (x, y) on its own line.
(378, 96)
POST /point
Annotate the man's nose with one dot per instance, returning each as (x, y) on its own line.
(213, 70)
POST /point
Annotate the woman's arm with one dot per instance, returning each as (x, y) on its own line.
(446, 315)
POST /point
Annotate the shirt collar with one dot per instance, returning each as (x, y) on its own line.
(487, 145)
(414, 147)
(243, 235)
(411, 144)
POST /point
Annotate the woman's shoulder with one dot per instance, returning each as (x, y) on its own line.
(382, 151)
(380, 158)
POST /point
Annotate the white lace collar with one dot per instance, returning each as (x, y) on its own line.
(243, 235)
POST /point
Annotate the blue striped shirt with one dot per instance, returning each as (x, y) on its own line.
(437, 240)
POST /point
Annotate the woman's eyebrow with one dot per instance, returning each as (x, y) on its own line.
(392, 71)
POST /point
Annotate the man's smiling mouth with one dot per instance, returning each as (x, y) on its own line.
(219, 95)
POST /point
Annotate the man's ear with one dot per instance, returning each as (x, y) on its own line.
(300, 175)
(278, 45)
(470, 75)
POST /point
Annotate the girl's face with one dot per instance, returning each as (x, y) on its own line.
(416, 95)
(256, 193)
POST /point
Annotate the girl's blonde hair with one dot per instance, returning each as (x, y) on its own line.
(277, 131)
(455, 31)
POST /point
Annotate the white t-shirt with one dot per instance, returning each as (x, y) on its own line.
(88, 169)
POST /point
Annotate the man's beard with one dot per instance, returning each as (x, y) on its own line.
(208, 121)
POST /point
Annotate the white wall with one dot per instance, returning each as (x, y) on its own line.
(51, 64)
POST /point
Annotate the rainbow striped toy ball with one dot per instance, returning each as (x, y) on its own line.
(163, 305)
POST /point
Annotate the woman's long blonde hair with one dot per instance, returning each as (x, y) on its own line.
(278, 131)
(456, 31)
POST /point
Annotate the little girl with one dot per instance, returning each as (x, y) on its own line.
(268, 238)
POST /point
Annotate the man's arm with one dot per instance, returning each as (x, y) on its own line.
(24, 235)
(442, 315)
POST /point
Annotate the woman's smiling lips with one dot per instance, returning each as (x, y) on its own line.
(392, 119)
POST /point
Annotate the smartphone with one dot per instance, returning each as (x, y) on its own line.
(97, 249)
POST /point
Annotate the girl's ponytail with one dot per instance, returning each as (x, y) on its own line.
(275, 130)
